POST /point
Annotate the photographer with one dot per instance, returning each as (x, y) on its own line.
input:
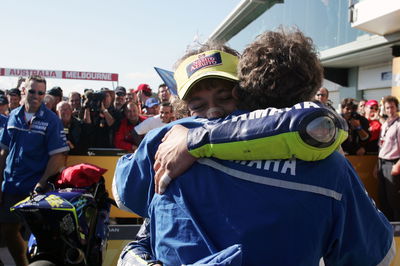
(100, 114)
(358, 128)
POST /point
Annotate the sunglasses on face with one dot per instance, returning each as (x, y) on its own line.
(121, 94)
(40, 93)
(321, 94)
(373, 108)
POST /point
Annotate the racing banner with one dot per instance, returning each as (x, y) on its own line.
(59, 74)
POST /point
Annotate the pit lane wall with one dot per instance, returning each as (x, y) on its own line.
(364, 166)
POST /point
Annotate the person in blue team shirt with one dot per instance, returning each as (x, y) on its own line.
(33, 144)
(280, 212)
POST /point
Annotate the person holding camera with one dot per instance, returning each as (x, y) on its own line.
(75, 100)
(100, 114)
(358, 128)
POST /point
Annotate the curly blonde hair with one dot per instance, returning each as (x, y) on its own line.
(279, 69)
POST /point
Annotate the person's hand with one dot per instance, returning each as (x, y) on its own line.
(360, 151)
(355, 123)
(71, 146)
(40, 188)
(102, 108)
(172, 158)
(86, 103)
(395, 169)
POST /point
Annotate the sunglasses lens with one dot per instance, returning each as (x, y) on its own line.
(34, 92)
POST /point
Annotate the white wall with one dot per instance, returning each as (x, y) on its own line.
(375, 76)
(376, 94)
(334, 94)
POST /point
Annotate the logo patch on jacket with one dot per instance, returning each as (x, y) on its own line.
(39, 125)
(204, 62)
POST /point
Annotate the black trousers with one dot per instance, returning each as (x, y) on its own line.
(389, 190)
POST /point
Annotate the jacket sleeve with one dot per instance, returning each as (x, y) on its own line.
(307, 131)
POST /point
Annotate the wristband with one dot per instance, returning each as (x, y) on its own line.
(105, 111)
(358, 128)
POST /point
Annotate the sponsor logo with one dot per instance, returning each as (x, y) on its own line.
(54, 201)
(272, 111)
(39, 125)
(204, 62)
(277, 166)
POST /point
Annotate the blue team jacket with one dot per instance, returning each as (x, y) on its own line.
(279, 212)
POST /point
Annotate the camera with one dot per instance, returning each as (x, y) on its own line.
(94, 100)
(355, 115)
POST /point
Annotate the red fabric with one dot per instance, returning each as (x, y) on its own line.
(80, 175)
(374, 129)
(143, 87)
(122, 138)
(371, 103)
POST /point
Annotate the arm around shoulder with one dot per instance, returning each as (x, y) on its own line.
(305, 133)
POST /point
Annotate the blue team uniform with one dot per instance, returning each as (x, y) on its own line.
(3, 122)
(280, 212)
(30, 144)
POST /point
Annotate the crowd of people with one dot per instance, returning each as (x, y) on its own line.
(106, 118)
(364, 118)
(373, 130)
(302, 200)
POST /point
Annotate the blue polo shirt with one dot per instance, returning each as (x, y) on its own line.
(30, 145)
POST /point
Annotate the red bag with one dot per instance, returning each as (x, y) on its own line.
(80, 175)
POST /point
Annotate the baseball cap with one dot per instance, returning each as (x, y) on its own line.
(14, 92)
(150, 102)
(371, 103)
(120, 90)
(55, 91)
(143, 87)
(209, 64)
(3, 100)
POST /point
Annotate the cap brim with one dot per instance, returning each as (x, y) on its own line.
(211, 74)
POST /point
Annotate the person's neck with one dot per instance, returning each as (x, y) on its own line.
(31, 109)
(66, 123)
(391, 118)
(13, 106)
